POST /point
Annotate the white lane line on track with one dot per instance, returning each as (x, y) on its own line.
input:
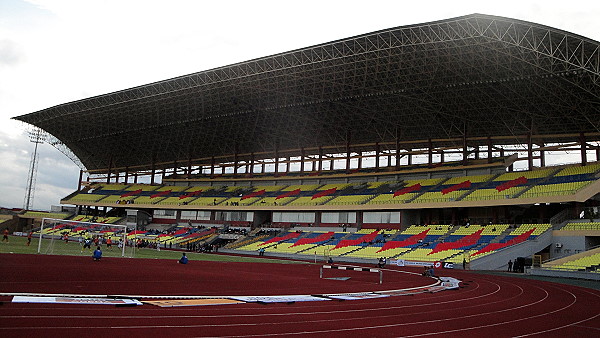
(269, 314)
(565, 326)
(357, 328)
(261, 315)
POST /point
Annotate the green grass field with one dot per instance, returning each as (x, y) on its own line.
(17, 245)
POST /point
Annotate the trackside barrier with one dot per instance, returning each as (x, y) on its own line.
(351, 268)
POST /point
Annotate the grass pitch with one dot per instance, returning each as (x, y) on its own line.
(18, 245)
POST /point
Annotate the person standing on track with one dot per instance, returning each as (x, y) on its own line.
(5, 236)
(510, 265)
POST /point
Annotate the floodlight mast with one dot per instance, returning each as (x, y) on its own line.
(36, 136)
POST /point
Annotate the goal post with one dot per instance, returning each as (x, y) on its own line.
(52, 230)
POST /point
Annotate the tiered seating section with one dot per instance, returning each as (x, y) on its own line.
(42, 214)
(590, 262)
(582, 226)
(513, 185)
(418, 243)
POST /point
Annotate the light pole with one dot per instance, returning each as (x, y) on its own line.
(36, 136)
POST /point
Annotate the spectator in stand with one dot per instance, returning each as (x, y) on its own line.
(97, 254)
(183, 259)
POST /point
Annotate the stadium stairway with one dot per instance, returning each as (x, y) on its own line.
(499, 259)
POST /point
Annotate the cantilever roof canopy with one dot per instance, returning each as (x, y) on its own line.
(474, 76)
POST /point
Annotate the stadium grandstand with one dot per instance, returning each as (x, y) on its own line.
(472, 140)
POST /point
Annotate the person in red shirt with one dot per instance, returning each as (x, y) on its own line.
(29, 238)
(5, 237)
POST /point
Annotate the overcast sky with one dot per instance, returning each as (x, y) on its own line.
(57, 51)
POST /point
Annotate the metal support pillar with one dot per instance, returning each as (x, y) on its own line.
(490, 153)
(320, 159)
(429, 152)
(377, 156)
(529, 151)
(583, 142)
(397, 154)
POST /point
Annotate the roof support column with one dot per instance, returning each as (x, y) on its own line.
(189, 168)
(360, 159)
(80, 178)
(377, 156)
(320, 159)
(429, 152)
(126, 175)
(235, 164)
(302, 156)
(529, 152)
(153, 169)
(410, 156)
(347, 156)
(135, 178)
(251, 168)
(490, 153)
(465, 152)
(583, 148)
(276, 161)
(542, 157)
(397, 154)
(109, 170)
(212, 167)
(598, 153)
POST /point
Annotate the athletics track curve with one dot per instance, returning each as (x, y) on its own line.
(485, 305)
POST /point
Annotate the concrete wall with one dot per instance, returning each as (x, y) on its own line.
(570, 245)
(567, 274)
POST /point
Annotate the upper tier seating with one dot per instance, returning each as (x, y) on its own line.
(523, 184)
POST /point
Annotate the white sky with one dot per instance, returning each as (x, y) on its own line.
(57, 51)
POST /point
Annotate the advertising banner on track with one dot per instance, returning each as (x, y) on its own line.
(76, 300)
(357, 296)
(438, 264)
(278, 299)
(192, 302)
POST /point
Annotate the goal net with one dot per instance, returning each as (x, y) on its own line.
(59, 236)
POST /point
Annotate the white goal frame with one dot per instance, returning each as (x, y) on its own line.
(46, 221)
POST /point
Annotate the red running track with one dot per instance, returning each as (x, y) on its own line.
(485, 306)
